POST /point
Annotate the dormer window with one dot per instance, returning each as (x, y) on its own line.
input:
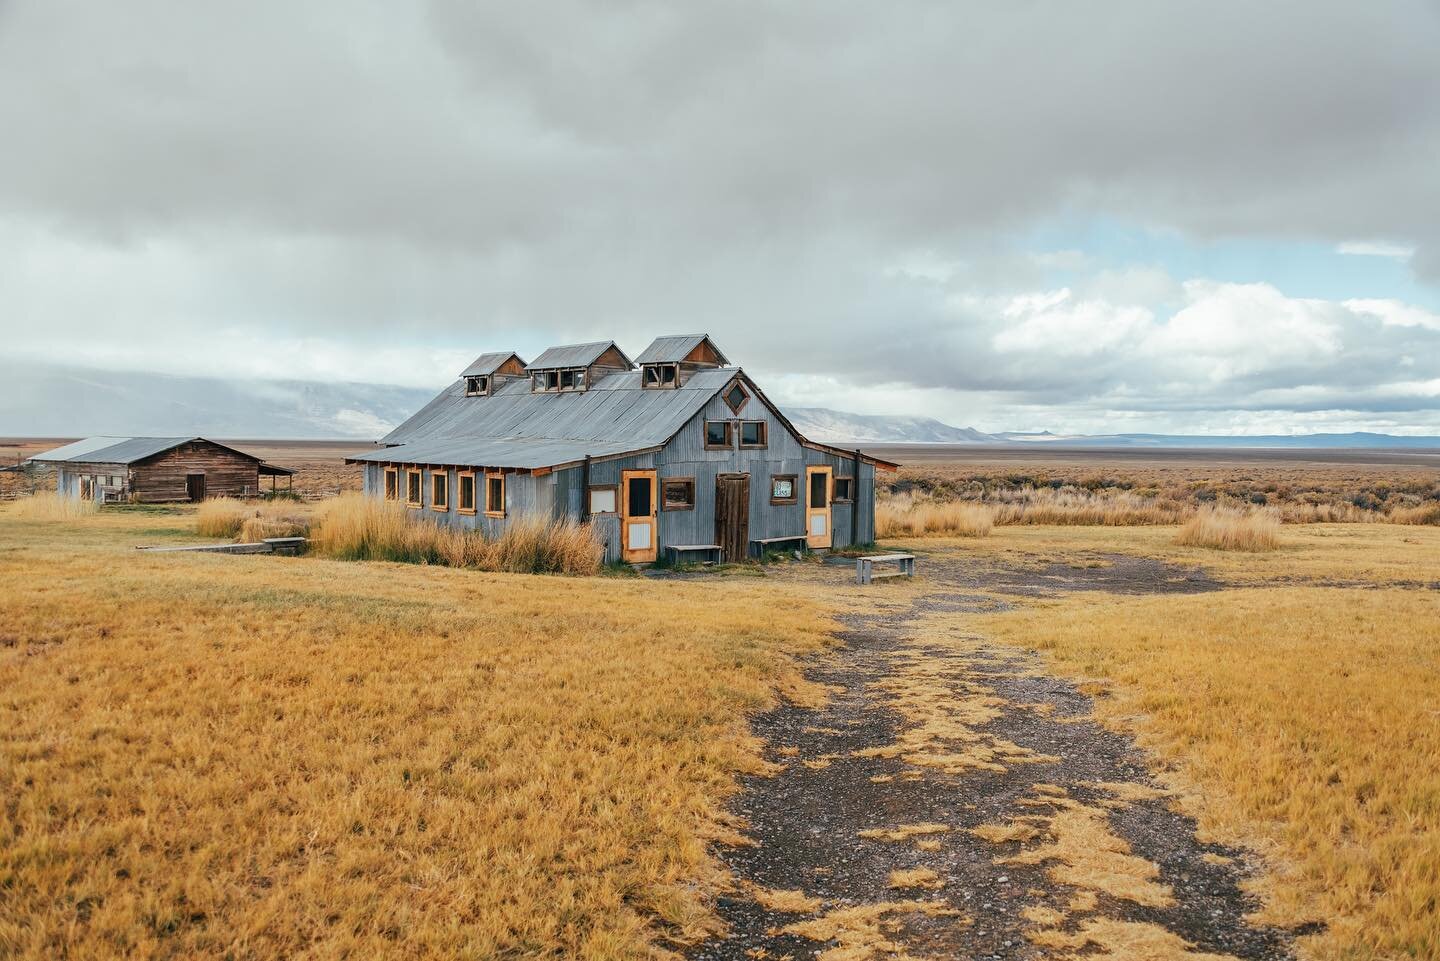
(660, 375)
(558, 380)
(477, 386)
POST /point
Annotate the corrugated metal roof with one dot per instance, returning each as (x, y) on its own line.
(489, 363)
(573, 355)
(516, 427)
(112, 450)
(674, 348)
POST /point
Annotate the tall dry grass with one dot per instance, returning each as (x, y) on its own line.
(1229, 529)
(906, 516)
(250, 521)
(50, 506)
(357, 527)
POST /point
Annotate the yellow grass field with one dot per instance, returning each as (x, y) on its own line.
(260, 757)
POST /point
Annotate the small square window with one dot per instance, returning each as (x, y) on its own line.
(736, 396)
(660, 375)
(475, 386)
(570, 379)
(844, 489)
(752, 433)
(782, 489)
(602, 500)
(678, 493)
(717, 435)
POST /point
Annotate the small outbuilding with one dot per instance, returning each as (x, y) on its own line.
(155, 470)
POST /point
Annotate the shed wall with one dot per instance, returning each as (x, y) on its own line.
(162, 477)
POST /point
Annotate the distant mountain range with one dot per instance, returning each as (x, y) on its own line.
(55, 401)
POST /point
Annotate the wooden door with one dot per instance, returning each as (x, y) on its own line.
(637, 517)
(818, 490)
(732, 516)
(195, 486)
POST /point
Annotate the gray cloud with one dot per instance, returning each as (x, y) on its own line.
(472, 176)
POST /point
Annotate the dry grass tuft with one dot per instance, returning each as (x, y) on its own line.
(1229, 529)
(859, 932)
(222, 517)
(915, 878)
(785, 902)
(356, 527)
(50, 506)
(904, 832)
(1124, 941)
(906, 516)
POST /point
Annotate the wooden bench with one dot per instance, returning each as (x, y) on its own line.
(865, 571)
(678, 551)
(765, 542)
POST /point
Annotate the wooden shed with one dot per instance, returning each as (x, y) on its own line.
(155, 470)
(676, 454)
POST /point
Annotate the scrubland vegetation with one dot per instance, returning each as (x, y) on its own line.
(257, 757)
(918, 499)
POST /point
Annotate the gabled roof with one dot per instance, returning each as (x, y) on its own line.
(675, 348)
(491, 362)
(122, 450)
(575, 355)
(111, 450)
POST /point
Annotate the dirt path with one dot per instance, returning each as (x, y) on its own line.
(951, 801)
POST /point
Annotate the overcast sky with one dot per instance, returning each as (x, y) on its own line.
(1183, 217)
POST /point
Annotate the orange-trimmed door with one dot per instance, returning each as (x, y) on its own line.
(819, 487)
(638, 530)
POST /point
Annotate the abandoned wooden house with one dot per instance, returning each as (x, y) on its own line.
(675, 454)
(154, 470)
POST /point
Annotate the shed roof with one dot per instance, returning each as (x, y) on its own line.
(674, 348)
(491, 362)
(122, 450)
(574, 355)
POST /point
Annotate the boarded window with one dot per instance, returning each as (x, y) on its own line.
(717, 435)
(495, 495)
(678, 493)
(440, 490)
(602, 500)
(844, 489)
(819, 490)
(638, 497)
(465, 493)
(412, 488)
(782, 489)
(392, 484)
(752, 433)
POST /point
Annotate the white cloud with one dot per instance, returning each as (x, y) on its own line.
(1360, 248)
(1395, 313)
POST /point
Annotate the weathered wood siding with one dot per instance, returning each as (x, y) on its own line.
(162, 478)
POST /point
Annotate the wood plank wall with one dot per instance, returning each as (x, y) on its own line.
(162, 477)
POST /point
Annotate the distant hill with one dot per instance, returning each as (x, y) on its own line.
(1357, 439)
(45, 401)
(835, 426)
